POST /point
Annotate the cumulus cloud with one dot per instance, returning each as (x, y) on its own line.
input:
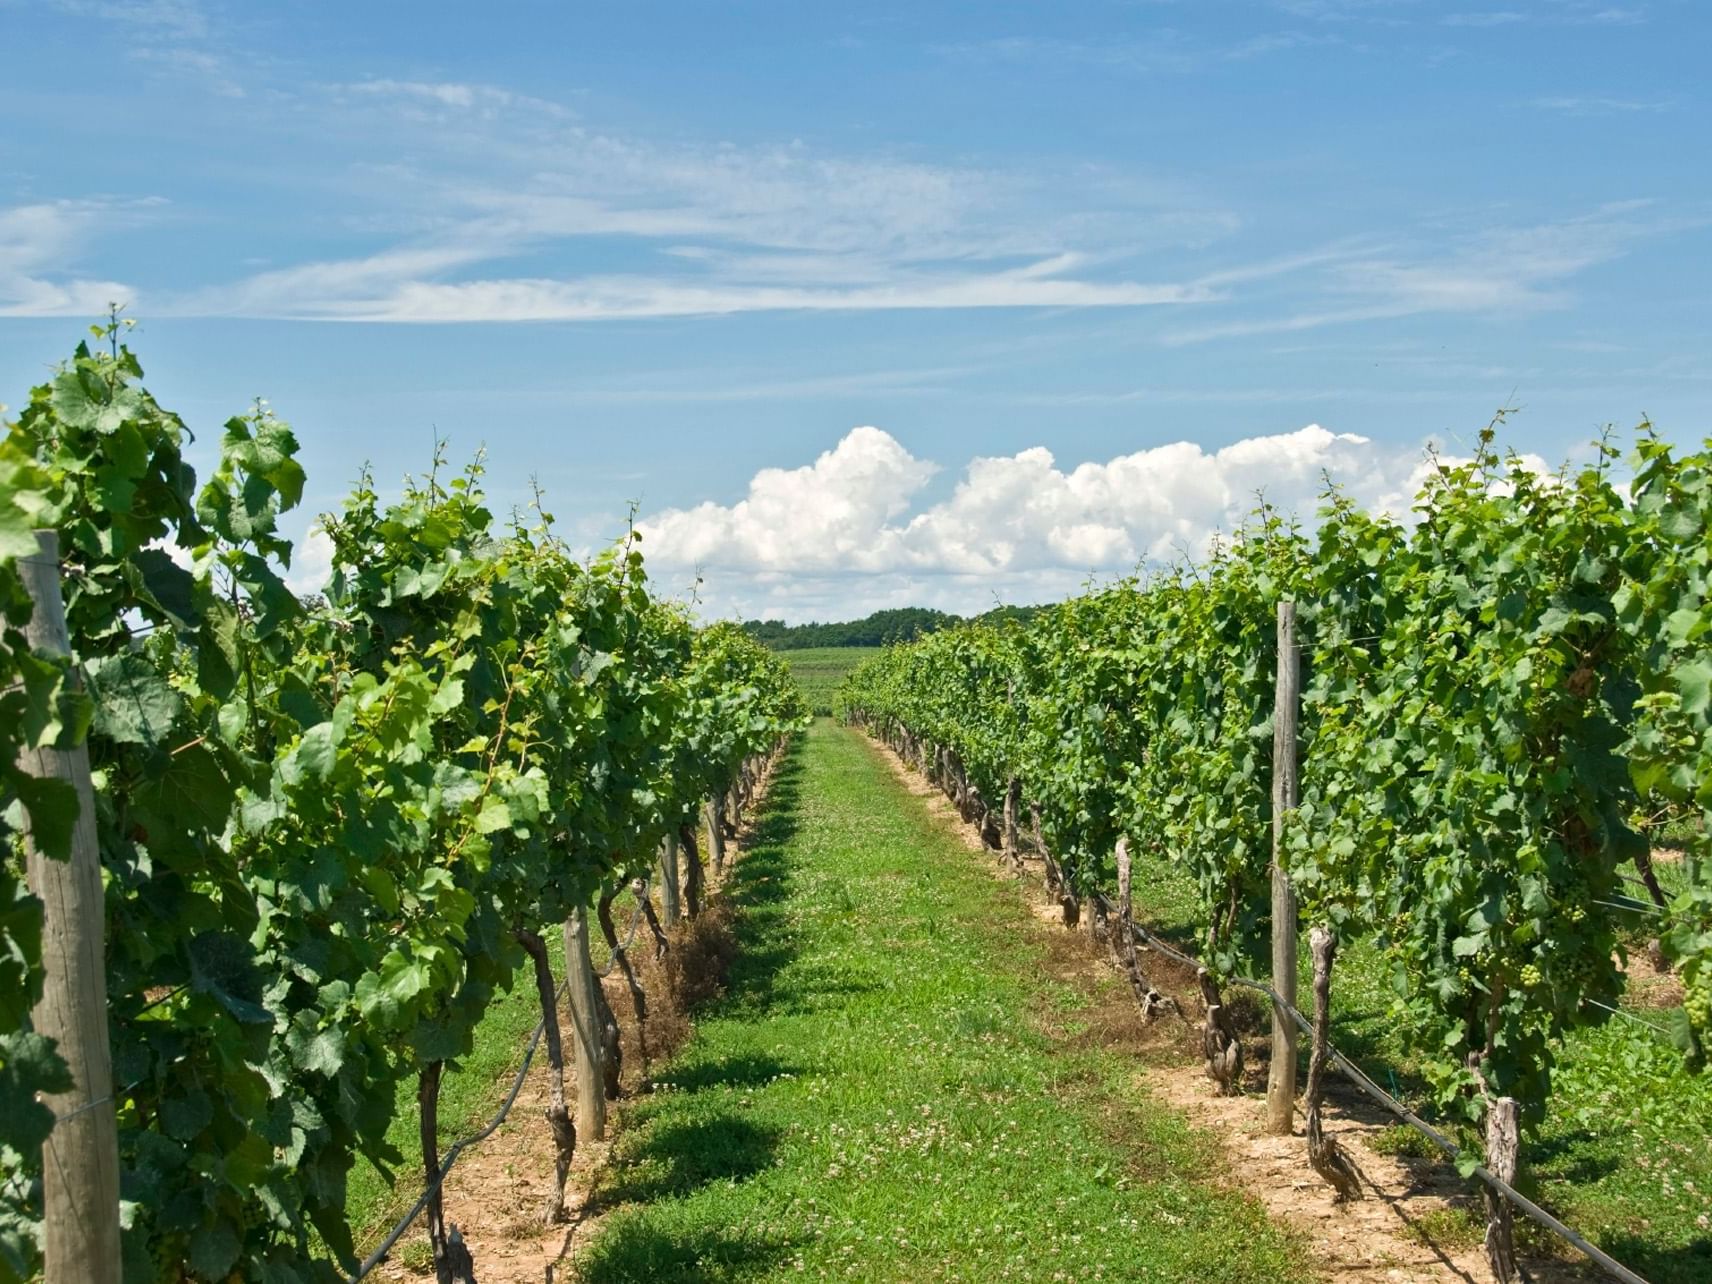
(853, 531)
(311, 561)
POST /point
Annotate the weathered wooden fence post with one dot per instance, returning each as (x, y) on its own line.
(714, 810)
(1123, 939)
(1503, 1151)
(1281, 1075)
(587, 1026)
(80, 1160)
(1013, 842)
(670, 908)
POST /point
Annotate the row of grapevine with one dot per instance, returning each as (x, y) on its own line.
(1496, 699)
(329, 826)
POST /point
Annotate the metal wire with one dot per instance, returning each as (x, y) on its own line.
(1638, 907)
(1355, 1075)
(1630, 1016)
(376, 1257)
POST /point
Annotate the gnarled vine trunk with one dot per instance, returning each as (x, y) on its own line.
(662, 943)
(1219, 1042)
(693, 881)
(621, 957)
(452, 1262)
(558, 1112)
(1123, 942)
(1324, 1153)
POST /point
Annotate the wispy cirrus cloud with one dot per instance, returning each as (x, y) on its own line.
(510, 194)
(1166, 50)
(1497, 271)
(334, 292)
(176, 19)
(510, 209)
(1487, 18)
(1600, 104)
(39, 241)
(1400, 13)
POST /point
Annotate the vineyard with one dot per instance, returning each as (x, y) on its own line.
(281, 867)
(1502, 708)
(328, 831)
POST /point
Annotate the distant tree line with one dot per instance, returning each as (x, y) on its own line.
(901, 624)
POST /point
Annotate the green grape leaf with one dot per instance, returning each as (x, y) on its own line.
(134, 703)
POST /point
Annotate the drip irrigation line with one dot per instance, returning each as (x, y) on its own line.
(375, 1258)
(1638, 907)
(1630, 1016)
(1356, 1076)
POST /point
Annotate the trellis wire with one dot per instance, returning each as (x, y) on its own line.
(378, 1256)
(1355, 1075)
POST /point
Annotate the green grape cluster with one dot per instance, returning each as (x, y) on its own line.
(1697, 1002)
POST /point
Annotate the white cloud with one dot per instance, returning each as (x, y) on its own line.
(627, 297)
(1600, 104)
(36, 243)
(847, 534)
(835, 514)
(311, 561)
(1487, 18)
(178, 19)
(1495, 271)
(508, 208)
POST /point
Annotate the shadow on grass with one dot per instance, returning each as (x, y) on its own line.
(689, 1137)
(757, 887)
(633, 1250)
(1572, 1156)
(1689, 1264)
(749, 1070)
(677, 1156)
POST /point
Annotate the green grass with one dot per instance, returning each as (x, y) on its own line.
(470, 1090)
(469, 1094)
(872, 1101)
(1625, 1153)
(818, 671)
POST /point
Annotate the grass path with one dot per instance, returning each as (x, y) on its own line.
(874, 1099)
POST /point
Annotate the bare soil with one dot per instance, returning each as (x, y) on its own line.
(497, 1193)
(1418, 1221)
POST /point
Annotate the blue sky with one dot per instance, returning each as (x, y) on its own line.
(1092, 269)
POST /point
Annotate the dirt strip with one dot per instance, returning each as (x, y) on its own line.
(1418, 1221)
(498, 1191)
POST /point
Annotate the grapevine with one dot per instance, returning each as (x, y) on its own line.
(326, 823)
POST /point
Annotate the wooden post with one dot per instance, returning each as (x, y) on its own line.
(670, 908)
(1281, 1075)
(716, 833)
(1013, 798)
(586, 1023)
(80, 1160)
(1503, 1151)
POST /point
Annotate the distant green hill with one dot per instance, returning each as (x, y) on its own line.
(897, 625)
